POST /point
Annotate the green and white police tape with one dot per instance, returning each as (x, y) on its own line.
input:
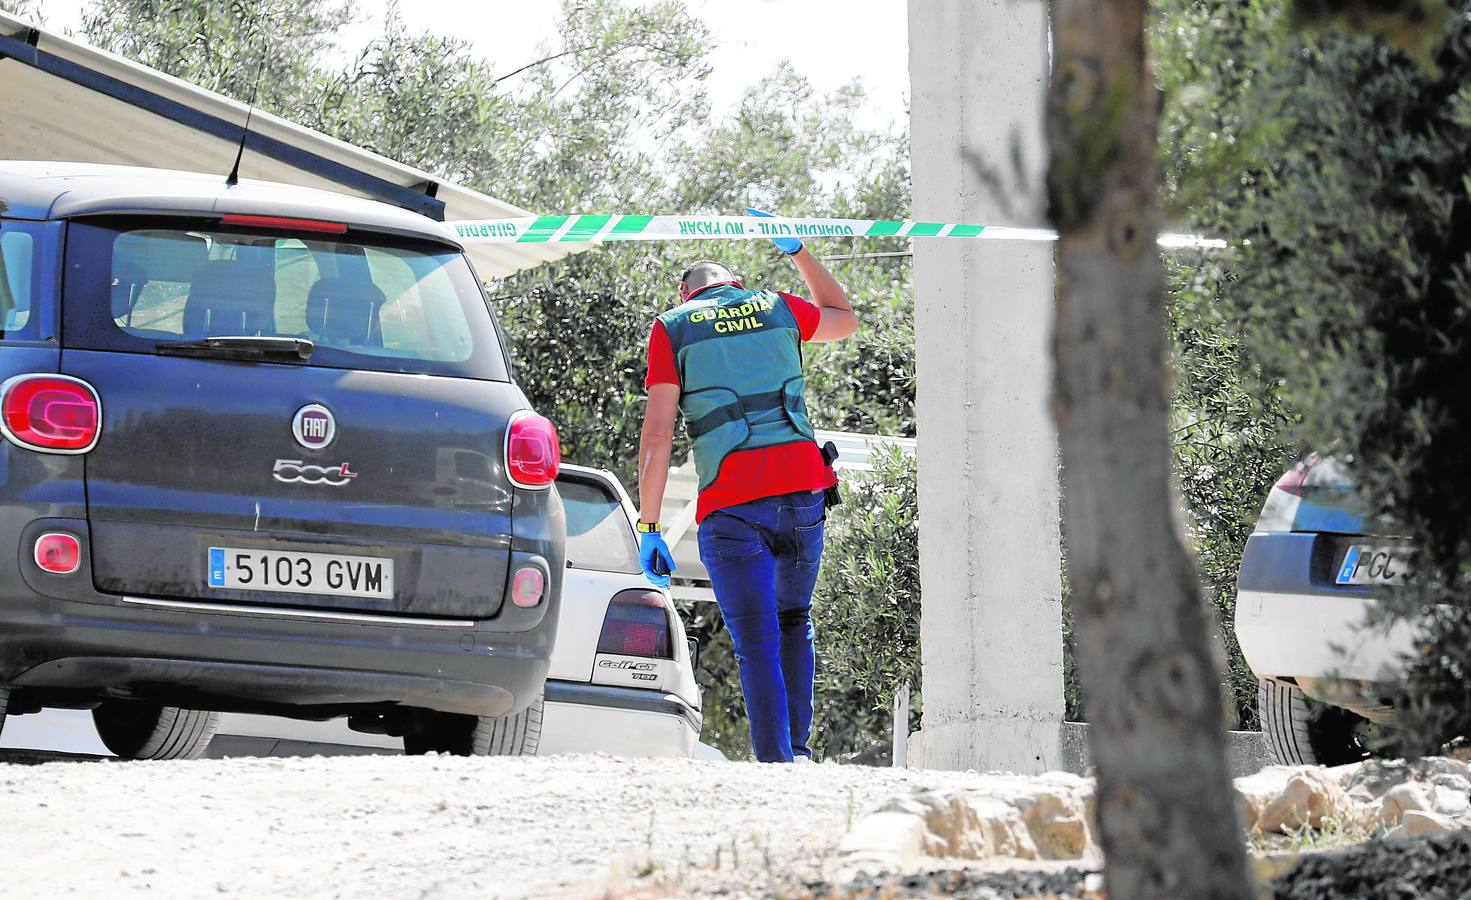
(596, 229)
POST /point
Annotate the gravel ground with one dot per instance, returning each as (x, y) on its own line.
(572, 826)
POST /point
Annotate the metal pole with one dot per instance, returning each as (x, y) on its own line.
(900, 730)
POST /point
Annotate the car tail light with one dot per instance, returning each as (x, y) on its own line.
(1292, 483)
(51, 413)
(533, 451)
(637, 624)
(528, 586)
(58, 552)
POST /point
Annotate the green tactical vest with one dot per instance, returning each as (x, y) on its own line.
(739, 358)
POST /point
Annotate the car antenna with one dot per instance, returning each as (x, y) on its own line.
(260, 66)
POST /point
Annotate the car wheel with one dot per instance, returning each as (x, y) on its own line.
(137, 730)
(460, 735)
(1301, 731)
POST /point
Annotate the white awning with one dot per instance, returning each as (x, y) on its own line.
(61, 99)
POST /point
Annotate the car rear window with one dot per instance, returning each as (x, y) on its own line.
(598, 534)
(380, 304)
(18, 252)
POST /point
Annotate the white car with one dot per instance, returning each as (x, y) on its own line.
(622, 676)
(1306, 585)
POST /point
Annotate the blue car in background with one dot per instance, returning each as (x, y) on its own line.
(1307, 582)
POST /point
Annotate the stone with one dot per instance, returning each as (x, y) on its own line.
(1431, 766)
(1007, 834)
(1309, 798)
(882, 842)
(1254, 792)
(1450, 801)
(1057, 827)
(1376, 776)
(1046, 817)
(1345, 774)
(1418, 822)
(1093, 887)
(1401, 799)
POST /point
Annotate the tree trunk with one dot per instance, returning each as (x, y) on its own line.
(1166, 809)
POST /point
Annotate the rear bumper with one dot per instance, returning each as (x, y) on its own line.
(1317, 636)
(294, 663)
(64, 643)
(1292, 621)
(588, 718)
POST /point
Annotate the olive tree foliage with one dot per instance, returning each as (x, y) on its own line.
(1230, 444)
(30, 10)
(525, 128)
(1341, 163)
(266, 49)
(867, 611)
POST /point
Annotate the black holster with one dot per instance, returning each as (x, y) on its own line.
(830, 456)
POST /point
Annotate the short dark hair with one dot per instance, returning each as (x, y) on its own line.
(684, 277)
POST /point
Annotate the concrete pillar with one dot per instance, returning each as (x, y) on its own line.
(991, 634)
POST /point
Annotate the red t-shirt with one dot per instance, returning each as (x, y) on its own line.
(748, 475)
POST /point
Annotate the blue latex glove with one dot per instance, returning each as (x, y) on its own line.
(789, 246)
(656, 558)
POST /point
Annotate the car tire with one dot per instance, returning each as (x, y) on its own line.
(460, 735)
(137, 730)
(1301, 731)
(4, 702)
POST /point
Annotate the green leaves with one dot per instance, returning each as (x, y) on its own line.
(1345, 319)
(866, 609)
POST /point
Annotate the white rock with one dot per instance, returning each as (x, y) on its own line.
(1254, 792)
(1401, 799)
(1057, 826)
(1432, 766)
(881, 842)
(1417, 822)
(1344, 774)
(1450, 800)
(1375, 777)
(1308, 798)
(1047, 817)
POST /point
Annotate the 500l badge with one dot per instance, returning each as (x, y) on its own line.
(295, 471)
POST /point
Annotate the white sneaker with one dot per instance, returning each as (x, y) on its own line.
(803, 761)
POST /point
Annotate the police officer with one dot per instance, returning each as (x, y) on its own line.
(729, 359)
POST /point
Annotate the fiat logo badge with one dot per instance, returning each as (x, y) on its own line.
(313, 426)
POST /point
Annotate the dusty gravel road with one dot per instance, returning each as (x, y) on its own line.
(572, 826)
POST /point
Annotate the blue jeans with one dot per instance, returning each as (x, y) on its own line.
(763, 557)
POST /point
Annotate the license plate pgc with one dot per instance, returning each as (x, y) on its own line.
(1369, 564)
(234, 568)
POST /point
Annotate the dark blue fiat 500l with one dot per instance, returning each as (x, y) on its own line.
(262, 453)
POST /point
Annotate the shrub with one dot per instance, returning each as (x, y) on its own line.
(1343, 166)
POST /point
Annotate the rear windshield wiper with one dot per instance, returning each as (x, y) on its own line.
(242, 346)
